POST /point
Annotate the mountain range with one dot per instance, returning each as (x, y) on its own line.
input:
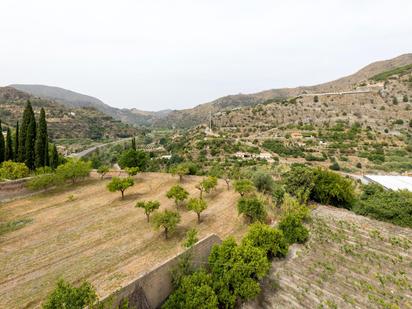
(199, 114)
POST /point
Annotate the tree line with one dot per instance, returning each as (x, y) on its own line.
(29, 143)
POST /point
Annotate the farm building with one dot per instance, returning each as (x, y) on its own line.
(390, 182)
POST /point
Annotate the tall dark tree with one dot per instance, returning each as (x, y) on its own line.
(30, 144)
(9, 146)
(16, 143)
(46, 154)
(54, 158)
(2, 145)
(28, 115)
(41, 146)
(134, 143)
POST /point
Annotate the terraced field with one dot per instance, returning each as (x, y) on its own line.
(86, 232)
(349, 262)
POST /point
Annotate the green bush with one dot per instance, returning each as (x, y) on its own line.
(252, 207)
(264, 182)
(236, 270)
(44, 181)
(385, 205)
(134, 158)
(293, 229)
(332, 189)
(194, 291)
(299, 182)
(73, 170)
(13, 170)
(67, 296)
(271, 240)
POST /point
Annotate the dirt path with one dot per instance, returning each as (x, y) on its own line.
(89, 233)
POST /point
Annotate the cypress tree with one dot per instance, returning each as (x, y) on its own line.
(46, 154)
(28, 115)
(134, 143)
(54, 159)
(16, 143)
(9, 146)
(2, 145)
(30, 144)
(41, 146)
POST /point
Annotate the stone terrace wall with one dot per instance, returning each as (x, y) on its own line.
(13, 188)
(152, 288)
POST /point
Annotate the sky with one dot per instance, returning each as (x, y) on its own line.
(174, 54)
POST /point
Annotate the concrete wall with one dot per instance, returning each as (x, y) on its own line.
(152, 288)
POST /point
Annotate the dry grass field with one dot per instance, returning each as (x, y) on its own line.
(349, 262)
(87, 233)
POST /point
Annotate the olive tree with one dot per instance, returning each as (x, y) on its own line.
(148, 206)
(178, 193)
(167, 220)
(103, 170)
(181, 169)
(120, 184)
(197, 205)
(206, 185)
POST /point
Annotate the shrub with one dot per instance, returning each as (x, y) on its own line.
(264, 183)
(278, 194)
(13, 170)
(293, 229)
(236, 270)
(194, 291)
(333, 189)
(191, 238)
(44, 181)
(252, 207)
(134, 158)
(66, 295)
(132, 171)
(73, 170)
(385, 205)
(299, 182)
(271, 240)
(335, 166)
(292, 206)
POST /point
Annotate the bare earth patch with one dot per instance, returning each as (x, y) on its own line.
(88, 233)
(349, 262)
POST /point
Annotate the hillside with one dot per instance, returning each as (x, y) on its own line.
(200, 113)
(63, 122)
(74, 99)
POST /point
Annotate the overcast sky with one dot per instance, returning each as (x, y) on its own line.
(160, 54)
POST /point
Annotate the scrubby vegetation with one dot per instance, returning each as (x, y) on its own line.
(386, 205)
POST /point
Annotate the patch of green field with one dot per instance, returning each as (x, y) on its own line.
(7, 227)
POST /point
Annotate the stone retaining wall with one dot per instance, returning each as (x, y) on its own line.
(152, 288)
